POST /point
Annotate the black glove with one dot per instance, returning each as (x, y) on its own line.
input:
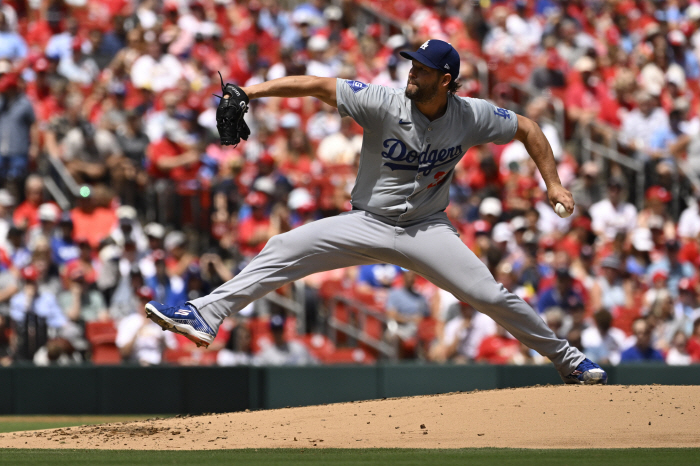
(229, 115)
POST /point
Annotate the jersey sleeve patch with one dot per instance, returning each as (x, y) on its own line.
(356, 86)
(501, 112)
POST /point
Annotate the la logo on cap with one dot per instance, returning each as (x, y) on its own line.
(425, 45)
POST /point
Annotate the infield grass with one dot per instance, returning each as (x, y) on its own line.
(479, 457)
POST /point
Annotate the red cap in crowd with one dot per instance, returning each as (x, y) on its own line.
(482, 226)
(581, 222)
(30, 273)
(659, 275)
(9, 81)
(145, 292)
(158, 255)
(256, 199)
(658, 193)
(77, 273)
(687, 284)
(41, 64)
(266, 159)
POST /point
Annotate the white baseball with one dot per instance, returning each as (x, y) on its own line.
(561, 210)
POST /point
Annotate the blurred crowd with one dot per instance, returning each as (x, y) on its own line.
(117, 96)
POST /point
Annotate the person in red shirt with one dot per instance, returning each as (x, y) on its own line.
(91, 221)
(499, 348)
(171, 157)
(694, 342)
(587, 96)
(27, 213)
(254, 231)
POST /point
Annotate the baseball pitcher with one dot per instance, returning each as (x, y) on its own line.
(413, 138)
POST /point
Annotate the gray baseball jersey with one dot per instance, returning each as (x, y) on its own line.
(407, 161)
(402, 188)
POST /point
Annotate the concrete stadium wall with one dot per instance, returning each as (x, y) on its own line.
(195, 390)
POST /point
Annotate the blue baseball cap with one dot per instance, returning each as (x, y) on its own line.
(436, 54)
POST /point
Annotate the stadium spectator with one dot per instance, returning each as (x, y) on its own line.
(283, 352)
(171, 289)
(34, 313)
(677, 354)
(12, 45)
(462, 335)
(642, 350)
(155, 70)
(405, 308)
(499, 348)
(80, 302)
(613, 215)
(18, 129)
(608, 291)
(140, 340)
(639, 126)
(27, 213)
(674, 268)
(561, 294)
(603, 342)
(238, 350)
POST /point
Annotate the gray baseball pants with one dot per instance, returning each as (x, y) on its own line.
(431, 247)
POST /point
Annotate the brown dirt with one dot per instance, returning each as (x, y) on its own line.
(536, 417)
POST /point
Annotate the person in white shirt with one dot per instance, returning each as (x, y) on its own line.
(7, 202)
(154, 70)
(463, 335)
(283, 352)
(603, 342)
(677, 354)
(611, 215)
(639, 125)
(342, 147)
(141, 340)
(390, 76)
(318, 65)
(689, 223)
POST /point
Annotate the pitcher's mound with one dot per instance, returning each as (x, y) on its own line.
(536, 417)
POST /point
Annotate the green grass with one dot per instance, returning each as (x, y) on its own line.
(471, 457)
(17, 423)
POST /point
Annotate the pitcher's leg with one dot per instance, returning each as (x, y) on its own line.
(342, 241)
(440, 256)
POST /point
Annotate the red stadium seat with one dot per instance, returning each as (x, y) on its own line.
(105, 354)
(176, 356)
(102, 337)
(319, 346)
(100, 332)
(350, 356)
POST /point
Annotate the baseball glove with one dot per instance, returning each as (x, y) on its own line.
(229, 115)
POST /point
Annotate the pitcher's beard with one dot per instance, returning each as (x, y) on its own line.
(421, 95)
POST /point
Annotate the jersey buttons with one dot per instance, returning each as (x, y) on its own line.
(427, 139)
(419, 177)
(430, 129)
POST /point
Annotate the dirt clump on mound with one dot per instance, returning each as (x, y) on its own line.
(536, 417)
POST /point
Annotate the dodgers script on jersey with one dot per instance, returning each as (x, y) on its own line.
(407, 161)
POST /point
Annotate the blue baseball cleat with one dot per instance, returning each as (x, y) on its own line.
(587, 373)
(183, 319)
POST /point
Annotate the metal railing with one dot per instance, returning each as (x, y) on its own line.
(603, 154)
(294, 306)
(359, 313)
(607, 152)
(556, 104)
(60, 184)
